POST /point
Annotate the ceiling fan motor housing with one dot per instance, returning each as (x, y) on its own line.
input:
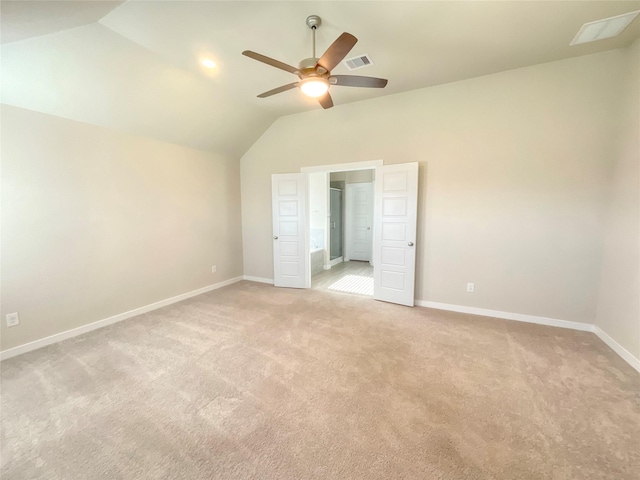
(308, 63)
(309, 68)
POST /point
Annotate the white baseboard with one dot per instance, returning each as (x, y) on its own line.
(336, 261)
(58, 337)
(258, 279)
(616, 347)
(519, 317)
(552, 322)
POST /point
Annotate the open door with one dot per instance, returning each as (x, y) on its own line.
(290, 242)
(394, 236)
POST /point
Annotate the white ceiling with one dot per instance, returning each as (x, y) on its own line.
(133, 66)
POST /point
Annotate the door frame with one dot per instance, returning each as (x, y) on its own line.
(328, 169)
(377, 197)
(343, 167)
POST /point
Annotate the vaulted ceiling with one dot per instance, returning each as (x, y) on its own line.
(135, 66)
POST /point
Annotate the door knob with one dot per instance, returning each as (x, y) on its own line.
(411, 244)
(368, 228)
(275, 237)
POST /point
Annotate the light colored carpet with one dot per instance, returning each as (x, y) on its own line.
(256, 382)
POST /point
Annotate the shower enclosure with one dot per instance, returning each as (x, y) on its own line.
(335, 226)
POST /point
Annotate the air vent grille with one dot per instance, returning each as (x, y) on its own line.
(606, 28)
(360, 61)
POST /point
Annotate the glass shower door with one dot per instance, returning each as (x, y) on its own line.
(335, 227)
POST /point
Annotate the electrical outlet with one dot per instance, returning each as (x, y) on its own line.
(471, 287)
(13, 319)
(214, 269)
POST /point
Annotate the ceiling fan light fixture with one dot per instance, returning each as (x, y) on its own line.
(315, 73)
(314, 87)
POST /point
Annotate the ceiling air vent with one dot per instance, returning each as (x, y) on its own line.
(360, 61)
(606, 28)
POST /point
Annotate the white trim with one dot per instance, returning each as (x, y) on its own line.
(342, 167)
(625, 354)
(74, 332)
(327, 267)
(519, 317)
(58, 337)
(336, 261)
(258, 279)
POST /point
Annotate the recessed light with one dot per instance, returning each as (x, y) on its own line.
(605, 28)
(208, 63)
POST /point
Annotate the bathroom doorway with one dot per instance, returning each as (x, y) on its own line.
(348, 229)
(298, 227)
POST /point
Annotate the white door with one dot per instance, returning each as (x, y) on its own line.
(359, 221)
(394, 237)
(290, 243)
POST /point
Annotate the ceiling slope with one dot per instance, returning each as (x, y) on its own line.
(27, 19)
(137, 69)
(93, 75)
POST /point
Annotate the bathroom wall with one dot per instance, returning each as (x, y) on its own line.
(318, 223)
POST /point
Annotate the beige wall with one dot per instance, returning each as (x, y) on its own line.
(618, 311)
(514, 170)
(96, 223)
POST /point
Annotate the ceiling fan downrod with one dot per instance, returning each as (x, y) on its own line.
(313, 22)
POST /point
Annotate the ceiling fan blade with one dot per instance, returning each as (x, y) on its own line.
(337, 51)
(326, 101)
(358, 81)
(281, 89)
(270, 61)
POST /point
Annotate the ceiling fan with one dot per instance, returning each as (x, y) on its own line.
(315, 73)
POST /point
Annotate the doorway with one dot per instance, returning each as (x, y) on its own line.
(350, 242)
(394, 230)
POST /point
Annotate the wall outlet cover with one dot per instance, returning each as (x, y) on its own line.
(12, 319)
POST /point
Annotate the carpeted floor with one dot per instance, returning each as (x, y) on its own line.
(251, 381)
